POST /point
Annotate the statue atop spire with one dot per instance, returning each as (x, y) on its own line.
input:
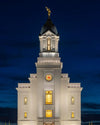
(49, 11)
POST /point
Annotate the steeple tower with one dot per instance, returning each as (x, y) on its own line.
(49, 98)
(49, 38)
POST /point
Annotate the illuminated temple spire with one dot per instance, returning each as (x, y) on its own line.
(46, 100)
(49, 25)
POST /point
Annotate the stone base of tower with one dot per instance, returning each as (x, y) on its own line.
(27, 122)
(70, 123)
(55, 123)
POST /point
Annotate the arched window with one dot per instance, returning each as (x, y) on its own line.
(48, 95)
(48, 44)
(72, 100)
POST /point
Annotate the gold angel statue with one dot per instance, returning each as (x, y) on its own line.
(49, 11)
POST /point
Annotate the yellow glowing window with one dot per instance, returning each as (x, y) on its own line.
(25, 114)
(73, 100)
(25, 100)
(72, 114)
(48, 97)
(48, 44)
(48, 113)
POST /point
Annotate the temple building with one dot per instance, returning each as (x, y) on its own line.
(49, 98)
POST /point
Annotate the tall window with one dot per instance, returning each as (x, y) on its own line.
(72, 114)
(48, 95)
(25, 114)
(48, 44)
(72, 100)
(25, 100)
(48, 113)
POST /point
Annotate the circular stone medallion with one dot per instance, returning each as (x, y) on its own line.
(48, 77)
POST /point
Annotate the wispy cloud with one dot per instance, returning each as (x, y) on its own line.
(91, 106)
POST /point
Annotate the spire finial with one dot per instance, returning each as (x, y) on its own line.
(49, 11)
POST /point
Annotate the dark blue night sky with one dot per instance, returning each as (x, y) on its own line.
(78, 23)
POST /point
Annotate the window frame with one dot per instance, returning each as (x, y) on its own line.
(48, 93)
(48, 111)
(48, 44)
(72, 100)
(25, 114)
(72, 115)
(25, 102)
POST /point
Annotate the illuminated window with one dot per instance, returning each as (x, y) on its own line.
(25, 100)
(25, 114)
(73, 100)
(48, 44)
(48, 113)
(72, 114)
(48, 97)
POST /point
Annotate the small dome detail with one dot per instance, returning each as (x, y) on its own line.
(49, 26)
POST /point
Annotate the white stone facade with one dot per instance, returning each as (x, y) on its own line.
(66, 96)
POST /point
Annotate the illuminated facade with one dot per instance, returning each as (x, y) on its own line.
(49, 98)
